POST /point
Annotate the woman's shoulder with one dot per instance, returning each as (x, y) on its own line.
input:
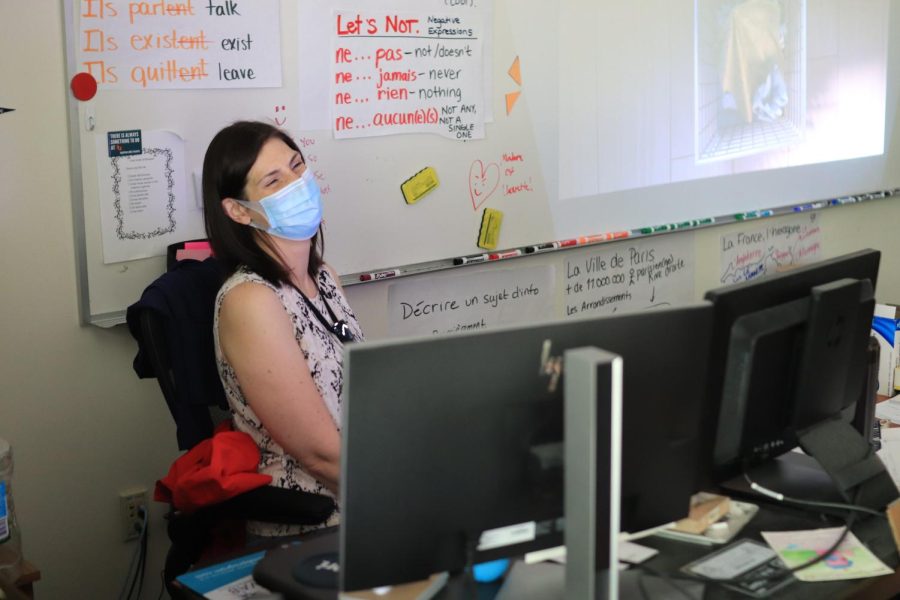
(248, 299)
(243, 275)
(246, 284)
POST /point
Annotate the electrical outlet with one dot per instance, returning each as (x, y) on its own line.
(129, 502)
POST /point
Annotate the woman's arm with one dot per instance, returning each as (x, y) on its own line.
(257, 338)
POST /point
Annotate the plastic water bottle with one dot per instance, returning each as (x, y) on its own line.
(10, 542)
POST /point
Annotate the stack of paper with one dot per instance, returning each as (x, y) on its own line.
(890, 450)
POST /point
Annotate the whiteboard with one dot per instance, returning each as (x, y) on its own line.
(533, 159)
(368, 224)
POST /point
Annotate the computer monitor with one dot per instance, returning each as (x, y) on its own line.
(450, 436)
(789, 357)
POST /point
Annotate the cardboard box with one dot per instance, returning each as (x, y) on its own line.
(884, 329)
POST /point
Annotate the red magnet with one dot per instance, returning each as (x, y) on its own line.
(84, 86)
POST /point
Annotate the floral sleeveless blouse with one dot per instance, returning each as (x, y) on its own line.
(324, 357)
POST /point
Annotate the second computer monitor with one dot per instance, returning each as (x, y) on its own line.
(782, 393)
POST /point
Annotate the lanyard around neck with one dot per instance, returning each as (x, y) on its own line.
(338, 327)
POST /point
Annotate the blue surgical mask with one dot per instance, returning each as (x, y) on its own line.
(293, 212)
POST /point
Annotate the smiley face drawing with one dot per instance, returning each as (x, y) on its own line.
(280, 121)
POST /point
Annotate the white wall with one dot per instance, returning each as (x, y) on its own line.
(81, 424)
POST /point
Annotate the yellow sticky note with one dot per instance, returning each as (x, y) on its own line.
(489, 234)
(419, 184)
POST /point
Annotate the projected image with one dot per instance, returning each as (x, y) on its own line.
(712, 88)
(750, 76)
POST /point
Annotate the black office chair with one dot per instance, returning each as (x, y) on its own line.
(173, 326)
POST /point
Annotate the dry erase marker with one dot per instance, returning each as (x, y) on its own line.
(568, 243)
(604, 237)
(468, 260)
(658, 228)
(541, 247)
(507, 254)
(590, 239)
(844, 200)
(379, 275)
(693, 223)
(805, 207)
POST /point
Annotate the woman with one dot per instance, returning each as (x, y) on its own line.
(281, 317)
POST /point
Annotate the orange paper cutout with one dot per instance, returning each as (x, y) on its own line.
(511, 101)
(515, 72)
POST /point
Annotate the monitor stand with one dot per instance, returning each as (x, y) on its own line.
(841, 466)
(850, 461)
(593, 425)
(793, 474)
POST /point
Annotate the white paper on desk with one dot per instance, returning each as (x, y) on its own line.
(888, 410)
(635, 554)
(851, 560)
(629, 552)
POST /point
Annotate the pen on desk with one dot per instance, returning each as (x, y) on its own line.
(379, 275)
(540, 247)
(506, 254)
(467, 260)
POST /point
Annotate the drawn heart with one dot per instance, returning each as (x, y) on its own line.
(483, 181)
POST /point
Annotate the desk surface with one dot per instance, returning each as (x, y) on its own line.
(871, 531)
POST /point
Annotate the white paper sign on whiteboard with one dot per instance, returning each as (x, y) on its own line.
(469, 302)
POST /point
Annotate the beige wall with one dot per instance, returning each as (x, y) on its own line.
(81, 424)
